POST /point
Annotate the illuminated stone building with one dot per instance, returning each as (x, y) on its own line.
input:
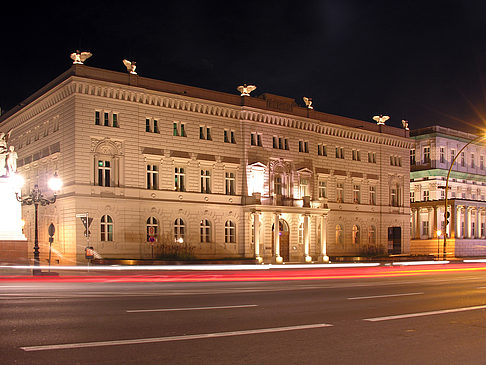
(430, 158)
(231, 176)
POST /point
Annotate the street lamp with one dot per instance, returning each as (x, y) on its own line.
(446, 215)
(35, 198)
(439, 232)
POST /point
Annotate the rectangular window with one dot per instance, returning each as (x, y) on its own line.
(253, 139)
(356, 155)
(179, 179)
(280, 143)
(114, 118)
(206, 181)
(286, 141)
(473, 161)
(442, 155)
(259, 140)
(340, 152)
(412, 157)
(156, 126)
(373, 195)
(463, 159)
(340, 192)
(356, 194)
(322, 189)
(453, 155)
(426, 196)
(97, 118)
(226, 136)
(104, 173)
(233, 139)
(275, 145)
(412, 196)
(152, 177)
(304, 187)
(147, 125)
(304, 146)
(230, 183)
(425, 228)
(106, 119)
(178, 129)
(481, 162)
(277, 185)
(426, 154)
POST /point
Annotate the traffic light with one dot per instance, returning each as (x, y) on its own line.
(448, 215)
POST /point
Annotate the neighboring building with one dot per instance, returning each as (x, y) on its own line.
(155, 161)
(430, 158)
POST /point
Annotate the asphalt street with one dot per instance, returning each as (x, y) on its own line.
(433, 318)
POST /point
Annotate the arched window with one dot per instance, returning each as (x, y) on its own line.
(301, 233)
(372, 235)
(106, 228)
(356, 234)
(179, 230)
(339, 234)
(205, 231)
(229, 232)
(152, 228)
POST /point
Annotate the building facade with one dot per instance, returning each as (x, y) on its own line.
(160, 164)
(430, 158)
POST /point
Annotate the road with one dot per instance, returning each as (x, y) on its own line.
(425, 318)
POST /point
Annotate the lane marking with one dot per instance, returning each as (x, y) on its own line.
(173, 338)
(383, 296)
(191, 309)
(422, 314)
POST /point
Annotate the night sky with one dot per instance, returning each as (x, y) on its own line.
(424, 61)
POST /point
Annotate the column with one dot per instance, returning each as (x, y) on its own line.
(477, 234)
(458, 222)
(452, 222)
(418, 232)
(276, 239)
(323, 256)
(432, 223)
(414, 224)
(435, 225)
(466, 222)
(306, 238)
(256, 235)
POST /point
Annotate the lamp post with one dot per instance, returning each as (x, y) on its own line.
(35, 198)
(446, 216)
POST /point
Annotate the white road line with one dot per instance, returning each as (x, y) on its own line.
(422, 314)
(384, 296)
(173, 338)
(191, 309)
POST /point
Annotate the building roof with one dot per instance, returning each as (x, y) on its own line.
(436, 130)
(265, 101)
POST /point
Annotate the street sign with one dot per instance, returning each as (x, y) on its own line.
(89, 253)
(82, 215)
(51, 230)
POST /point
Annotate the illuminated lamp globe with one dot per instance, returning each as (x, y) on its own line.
(17, 180)
(55, 183)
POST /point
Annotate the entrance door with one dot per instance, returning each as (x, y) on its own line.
(394, 240)
(284, 235)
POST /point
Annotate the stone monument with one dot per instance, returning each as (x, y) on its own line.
(13, 244)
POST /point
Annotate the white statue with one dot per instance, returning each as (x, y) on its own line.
(381, 119)
(130, 66)
(79, 57)
(11, 161)
(245, 90)
(405, 124)
(3, 152)
(308, 102)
